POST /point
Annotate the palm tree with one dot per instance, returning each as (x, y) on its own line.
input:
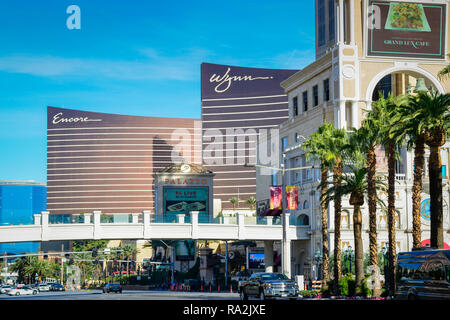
(385, 110)
(354, 184)
(413, 126)
(234, 201)
(251, 202)
(435, 119)
(326, 145)
(363, 143)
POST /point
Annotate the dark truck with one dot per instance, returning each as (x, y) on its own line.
(268, 286)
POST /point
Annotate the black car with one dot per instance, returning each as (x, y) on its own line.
(112, 287)
(57, 287)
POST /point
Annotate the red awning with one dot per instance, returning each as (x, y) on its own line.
(269, 212)
(426, 243)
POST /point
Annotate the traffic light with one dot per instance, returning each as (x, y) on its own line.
(45, 256)
(67, 256)
(94, 252)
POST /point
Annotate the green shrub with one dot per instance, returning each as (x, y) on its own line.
(347, 285)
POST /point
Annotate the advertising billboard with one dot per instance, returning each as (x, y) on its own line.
(178, 200)
(276, 200)
(292, 197)
(256, 261)
(406, 29)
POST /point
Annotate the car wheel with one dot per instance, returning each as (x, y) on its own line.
(34, 292)
(243, 295)
(262, 296)
(17, 293)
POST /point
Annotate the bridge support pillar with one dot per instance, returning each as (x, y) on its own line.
(44, 225)
(286, 247)
(268, 255)
(146, 221)
(194, 224)
(241, 225)
(97, 230)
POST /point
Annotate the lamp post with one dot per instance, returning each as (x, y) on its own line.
(285, 260)
(318, 257)
(348, 254)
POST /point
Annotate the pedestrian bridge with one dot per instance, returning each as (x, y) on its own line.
(146, 225)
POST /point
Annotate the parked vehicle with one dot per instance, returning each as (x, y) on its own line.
(42, 287)
(112, 287)
(5, 289)
(423, 274)
(22, 290)
(57, 287)
(267, 286)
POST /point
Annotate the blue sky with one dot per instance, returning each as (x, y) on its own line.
(130, 57)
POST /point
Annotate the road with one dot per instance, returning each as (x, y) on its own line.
(125, 295)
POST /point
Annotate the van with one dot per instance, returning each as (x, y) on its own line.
(423, 274)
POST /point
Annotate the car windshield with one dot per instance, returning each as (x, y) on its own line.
(274, 276)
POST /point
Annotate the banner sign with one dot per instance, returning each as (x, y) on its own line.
(406, 29)
(276, 200)
(292, 197)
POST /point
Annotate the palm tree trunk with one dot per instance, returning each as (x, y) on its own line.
(325, 245)
(391, 216)
(436, 214)
(372, 202)
(359, 259)
(337, 173)
(419, 151)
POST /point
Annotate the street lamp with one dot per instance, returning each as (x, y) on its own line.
(349, 253)
(284, 259)
(318, 257)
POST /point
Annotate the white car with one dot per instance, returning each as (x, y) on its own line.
(43, 287)
(5, 289)
(17, 291)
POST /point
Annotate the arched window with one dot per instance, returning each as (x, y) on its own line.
(305, 204)
(303, 220)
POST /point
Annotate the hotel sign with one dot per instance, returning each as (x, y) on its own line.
(406, 29)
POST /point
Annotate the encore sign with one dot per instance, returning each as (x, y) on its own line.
(406, 29)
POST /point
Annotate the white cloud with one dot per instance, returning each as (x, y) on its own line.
(150, 67)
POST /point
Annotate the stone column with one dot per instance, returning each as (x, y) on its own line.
(194, 224)
(134, 218)
(286, 248)
(87, 218)
(97, 227)
(340, 18)
(268, 255)
(241, 225)
(37, 219)
(146, 221)
(44, 225)
(355, 114)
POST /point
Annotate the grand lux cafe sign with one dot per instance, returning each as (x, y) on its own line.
(406, 29)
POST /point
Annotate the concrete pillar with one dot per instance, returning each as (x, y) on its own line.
(340, 18)
(180, 218)
(268, 255)
(37, 219)
(194, 224)
(269, 220)
(241, 225)
(97, 226)
(286, 247)
(44, 225)
(87, 218)
(355, 113)
(351, 16)
(134, 218)
(146, 221)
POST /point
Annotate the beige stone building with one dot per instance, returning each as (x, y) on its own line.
(360, 49)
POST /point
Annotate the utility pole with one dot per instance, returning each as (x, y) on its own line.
(62, 266)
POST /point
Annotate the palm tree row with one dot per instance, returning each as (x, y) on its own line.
(392, 121)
